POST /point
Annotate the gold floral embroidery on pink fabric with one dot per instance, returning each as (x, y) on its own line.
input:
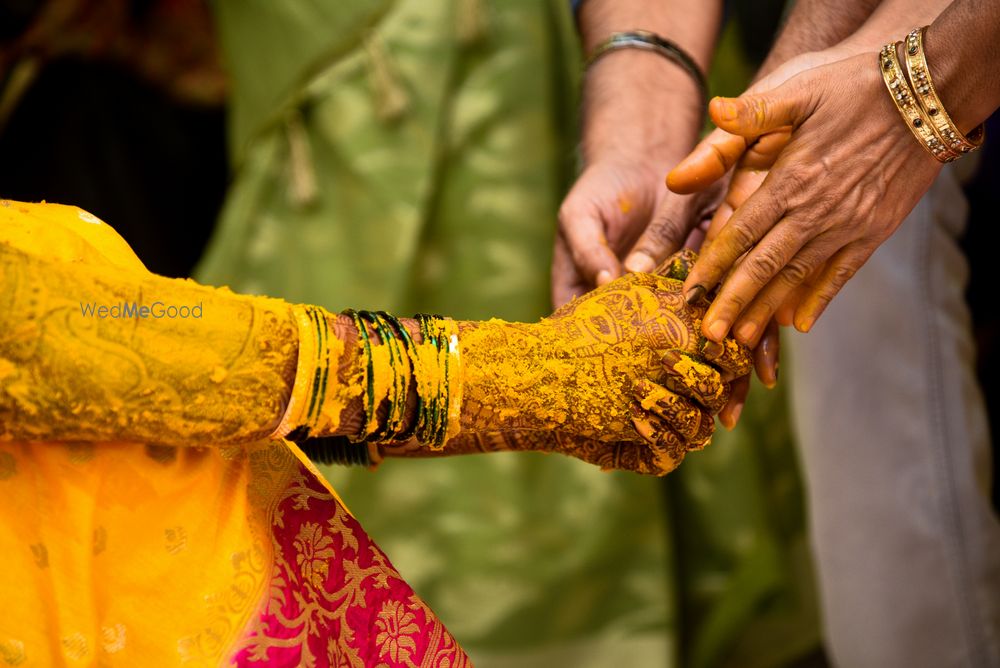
(314, 553)
(395, 624)
(334, 599)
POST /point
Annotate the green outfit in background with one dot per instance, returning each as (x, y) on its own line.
(410, 156)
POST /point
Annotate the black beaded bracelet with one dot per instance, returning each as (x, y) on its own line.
(650, 41)
(336, 450)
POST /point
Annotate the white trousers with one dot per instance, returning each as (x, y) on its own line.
(896, 451)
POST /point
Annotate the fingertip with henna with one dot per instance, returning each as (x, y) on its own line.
(712, 350)
(670, 359)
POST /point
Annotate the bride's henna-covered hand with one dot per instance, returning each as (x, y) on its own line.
(575, 370)
(623, 366)
(619, 378)
(670, 419)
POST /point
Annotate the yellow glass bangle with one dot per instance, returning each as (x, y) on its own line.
(297, 410)
(318, 396)
(913, 115)
(455, 383)
(927, 97)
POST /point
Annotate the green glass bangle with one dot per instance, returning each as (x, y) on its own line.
(382, 432)
(436, 420)
(408, 348)
(321, 377)
(363, 334)
(429, 414)
(401, 385)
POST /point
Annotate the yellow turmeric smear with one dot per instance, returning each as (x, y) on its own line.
(382, 378)
(428, 372)
(339, 392)
(455, 377)
(624, 204)
(692, 374)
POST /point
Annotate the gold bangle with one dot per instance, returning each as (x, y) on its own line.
(920, 80)
(913, 115)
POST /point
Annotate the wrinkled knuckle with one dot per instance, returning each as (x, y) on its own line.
(755, 112)
(795, 272)
(763, 264)
(735, 302)
(742, 237)
(841, 275)
(663, 230)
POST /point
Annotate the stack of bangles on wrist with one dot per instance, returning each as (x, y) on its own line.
(392, 365)
(649, 41)
(918, 103)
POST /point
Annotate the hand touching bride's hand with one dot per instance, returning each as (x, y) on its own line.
(809, 209)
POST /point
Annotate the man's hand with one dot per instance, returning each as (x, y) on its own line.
(631, 133)
(601, 217)
(641, 113)
(849, 174)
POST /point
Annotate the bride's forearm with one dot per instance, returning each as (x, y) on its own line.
(94, 353)
(520, 377)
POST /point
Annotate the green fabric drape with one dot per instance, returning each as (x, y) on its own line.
(410, 156)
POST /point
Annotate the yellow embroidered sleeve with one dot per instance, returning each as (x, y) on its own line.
(101, 353)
